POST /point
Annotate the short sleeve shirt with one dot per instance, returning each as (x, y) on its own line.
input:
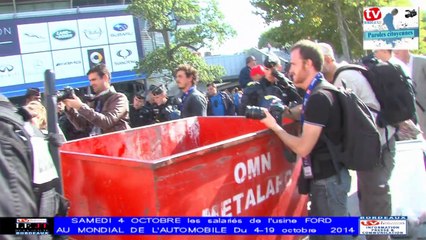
(323, 109)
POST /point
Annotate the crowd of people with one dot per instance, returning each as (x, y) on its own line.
(312, 64)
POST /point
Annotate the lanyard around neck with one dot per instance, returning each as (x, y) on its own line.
(317, 79)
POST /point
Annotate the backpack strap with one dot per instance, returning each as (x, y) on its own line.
(333, 149)
(420, 106)
(349, 67)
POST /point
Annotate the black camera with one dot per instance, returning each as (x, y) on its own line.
(255, 112)
(410, 14)
(274, 106)
(67, 93)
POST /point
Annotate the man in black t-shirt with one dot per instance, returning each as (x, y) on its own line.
(327, 186)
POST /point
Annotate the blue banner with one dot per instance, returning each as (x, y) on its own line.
(391, 35)
(206, 226)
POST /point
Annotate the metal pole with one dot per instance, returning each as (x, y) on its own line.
(14, 6)
(52, 120)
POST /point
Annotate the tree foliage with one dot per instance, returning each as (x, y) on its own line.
(422, 33)
(186, 26)
(316, 20)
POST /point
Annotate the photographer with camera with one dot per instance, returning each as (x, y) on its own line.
(273, 83)
(109, 110)
(327, 186)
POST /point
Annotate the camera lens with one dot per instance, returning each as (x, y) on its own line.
(255, 112)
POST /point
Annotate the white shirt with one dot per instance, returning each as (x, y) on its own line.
(404, 67)
(44, 168)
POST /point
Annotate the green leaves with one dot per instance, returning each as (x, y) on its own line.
(186, 26)
(158, 61)
(316, 20)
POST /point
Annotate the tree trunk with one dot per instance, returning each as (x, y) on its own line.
(342, 31)
(166, 38)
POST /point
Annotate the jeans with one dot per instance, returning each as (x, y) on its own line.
(373, 188)
(329, 197)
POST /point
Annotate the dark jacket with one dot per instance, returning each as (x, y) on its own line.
(195, 104)
(227, 102)
(255, 93)
(16, 166)
(114, 115)
(68, 128)
(244, 77)
(167, 111)
(143, 116)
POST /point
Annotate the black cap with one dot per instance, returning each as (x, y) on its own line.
(32, 92)
(156, 90)
(271, 61)
(140, 94)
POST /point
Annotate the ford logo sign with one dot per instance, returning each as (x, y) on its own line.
(120, 27)
(63, 34)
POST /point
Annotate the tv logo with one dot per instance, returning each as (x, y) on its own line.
(370, 223)
(22, 220)
(372, 14)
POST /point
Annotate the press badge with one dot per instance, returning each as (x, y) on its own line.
(307, 167)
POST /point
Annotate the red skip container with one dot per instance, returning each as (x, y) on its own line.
(199, 166)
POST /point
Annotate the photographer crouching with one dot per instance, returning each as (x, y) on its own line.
(107, 112)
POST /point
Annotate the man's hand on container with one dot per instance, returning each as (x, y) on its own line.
(270, 121)
(75, 103)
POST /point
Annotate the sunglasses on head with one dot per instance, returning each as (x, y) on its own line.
(157, 91)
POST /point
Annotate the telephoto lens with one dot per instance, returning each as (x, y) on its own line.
(255, 112)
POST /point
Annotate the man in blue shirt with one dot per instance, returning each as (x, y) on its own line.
(220, 103)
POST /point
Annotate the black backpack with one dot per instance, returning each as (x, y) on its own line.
(360, 148)
(393, 90)
(16, 165)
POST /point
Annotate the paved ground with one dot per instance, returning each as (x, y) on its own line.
(414, 231)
